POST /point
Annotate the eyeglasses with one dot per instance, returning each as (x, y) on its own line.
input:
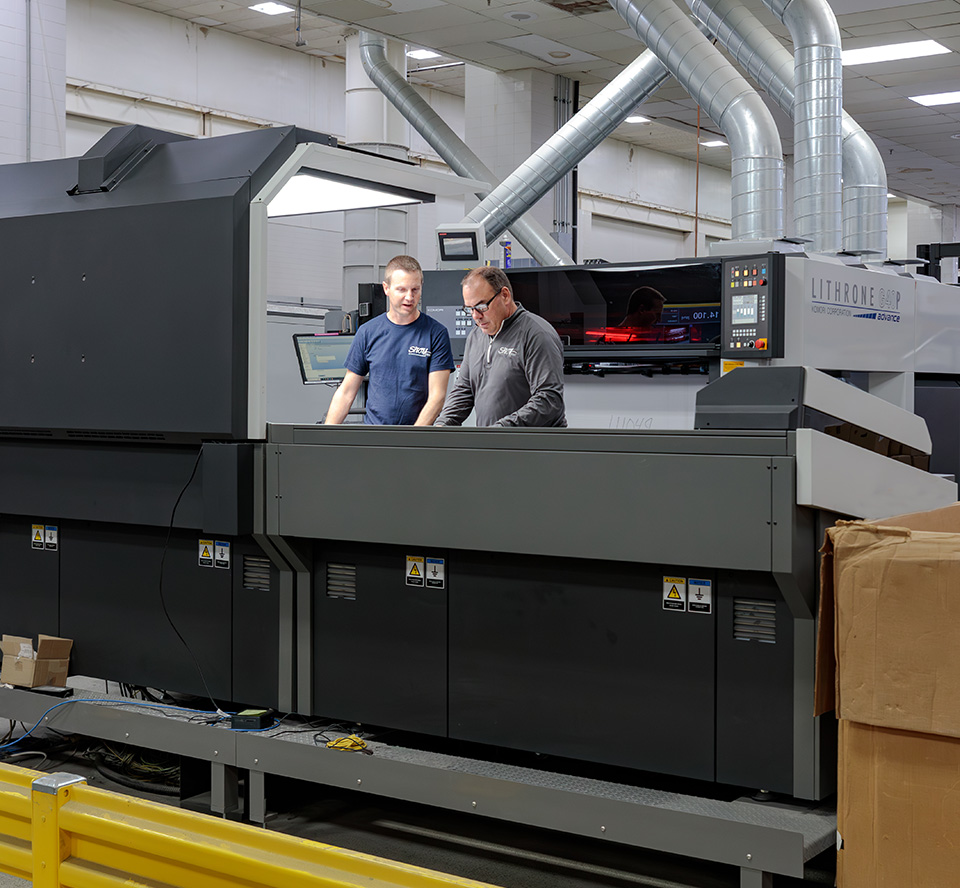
(482, 307)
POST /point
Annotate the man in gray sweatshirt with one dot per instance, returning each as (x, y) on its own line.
(512, 370)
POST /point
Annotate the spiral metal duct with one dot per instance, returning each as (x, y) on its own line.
(449, 146)
(570, 144)
(817, 113)
(757, 157)
(765, 59)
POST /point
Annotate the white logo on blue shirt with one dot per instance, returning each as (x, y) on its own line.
(420, 351)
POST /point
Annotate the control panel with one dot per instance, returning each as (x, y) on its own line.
(751, 303)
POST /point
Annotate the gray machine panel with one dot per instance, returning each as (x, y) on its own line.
(603, 505)
(124, 312)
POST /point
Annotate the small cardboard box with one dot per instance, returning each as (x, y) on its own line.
(23, 666)
(887, 662)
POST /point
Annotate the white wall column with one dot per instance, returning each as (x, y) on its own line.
(32, 79)
(507, 118)
(372, 237)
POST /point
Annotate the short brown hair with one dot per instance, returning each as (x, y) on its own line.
(495, 277)
(402, 263)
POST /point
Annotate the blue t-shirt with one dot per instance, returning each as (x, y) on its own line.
(399, 359)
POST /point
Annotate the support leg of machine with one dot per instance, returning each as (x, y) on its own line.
(751, 878)
(224, 789)
(256, 798)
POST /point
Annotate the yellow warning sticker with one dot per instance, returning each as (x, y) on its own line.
(205, 558)
(414, 574)
(36, 539)
(726, 366)
(675, 593)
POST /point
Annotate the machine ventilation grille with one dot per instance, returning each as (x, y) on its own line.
(256, 573)
(341, 581)
(115, 436)
(754, 620)
(27, 433)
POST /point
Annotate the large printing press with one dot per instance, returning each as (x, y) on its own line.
(637, 598)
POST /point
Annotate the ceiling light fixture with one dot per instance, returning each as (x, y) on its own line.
(558, 54)
(948, 98)
(422, 54)
(271, 8)
(891, 52)
(714, 143)
(637, 118)
(518, 16)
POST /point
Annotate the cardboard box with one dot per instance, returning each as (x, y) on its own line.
(26, 668)
(887, 662)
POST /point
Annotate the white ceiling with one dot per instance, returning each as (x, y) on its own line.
(587, 41)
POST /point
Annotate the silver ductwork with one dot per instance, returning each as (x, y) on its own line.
(817, 112)
(757, 156)
(570, 144)
(450, 146)
(763, 57)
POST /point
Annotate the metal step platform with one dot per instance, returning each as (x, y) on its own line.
(760, 838)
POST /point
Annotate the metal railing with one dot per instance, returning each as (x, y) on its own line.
(57, 831)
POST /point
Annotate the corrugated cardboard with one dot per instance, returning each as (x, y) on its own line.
(898, 809)
(24, 667)
(887, 654)
(896, 620)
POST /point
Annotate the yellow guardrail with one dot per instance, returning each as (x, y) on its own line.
(57, 831)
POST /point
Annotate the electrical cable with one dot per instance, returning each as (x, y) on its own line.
(163, 603)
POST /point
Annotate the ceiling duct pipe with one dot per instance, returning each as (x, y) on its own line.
(717, 87)
(570, 144)
(450, 146)
(817, 113)
(766, 60)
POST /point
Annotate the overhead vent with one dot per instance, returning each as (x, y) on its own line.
(256, 573)
(754, 620)
(341, 581)
(578, 7)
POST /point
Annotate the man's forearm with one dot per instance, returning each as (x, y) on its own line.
(431, 410)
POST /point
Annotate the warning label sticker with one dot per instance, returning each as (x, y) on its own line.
(36, 536)
(221, 554)
(51, 536)
(435, 573)
(700, 597)
(415, 570)
(675, 593)
(205, 558)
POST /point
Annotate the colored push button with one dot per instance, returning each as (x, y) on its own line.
(761, 344)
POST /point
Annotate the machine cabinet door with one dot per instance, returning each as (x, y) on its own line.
(30, 569)
(380, 643)
(581, 659)
(111, 606)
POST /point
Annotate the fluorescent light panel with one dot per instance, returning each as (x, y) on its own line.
(310, 193)
(950, 98)
(892, 52)
(714, 143)
(421, 54)
(271, 8)
(637, 118)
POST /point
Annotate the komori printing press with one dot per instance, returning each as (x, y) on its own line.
(643, 600)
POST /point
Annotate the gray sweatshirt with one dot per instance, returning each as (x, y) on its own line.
(514, 378)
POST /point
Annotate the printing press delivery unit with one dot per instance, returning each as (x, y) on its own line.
(554, 561)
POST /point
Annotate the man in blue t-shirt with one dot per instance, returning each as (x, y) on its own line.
(406, 353)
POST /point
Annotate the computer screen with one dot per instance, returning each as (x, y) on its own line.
(671, 303)
(459, 246)
(322, 356)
